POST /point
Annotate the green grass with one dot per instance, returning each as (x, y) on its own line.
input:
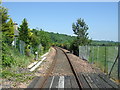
(21, 62)
(104, 57)
(17, 70)
(18, 77)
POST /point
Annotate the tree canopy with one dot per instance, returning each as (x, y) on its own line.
(24, 32)
(80, 30)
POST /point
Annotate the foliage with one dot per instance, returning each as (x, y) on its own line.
(26, 35)
(7, 26)
(7, 60)
(19, 77)
(42, 38)
(60, 38)
(5, 16)
(101, 43)
(74, 47)
(80, 29)
(7, 37)
(10, 32)
(12, 57)
(24, 32)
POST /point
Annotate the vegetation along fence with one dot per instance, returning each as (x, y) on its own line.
(104, 57)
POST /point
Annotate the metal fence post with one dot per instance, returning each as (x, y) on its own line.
(119, 40)
(106, 66)
(119, 63)
(97, 55)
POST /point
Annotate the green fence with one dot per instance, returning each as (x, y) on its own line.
(103, 57)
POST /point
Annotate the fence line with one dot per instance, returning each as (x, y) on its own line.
(103, 57)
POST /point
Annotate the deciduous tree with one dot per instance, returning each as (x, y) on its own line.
(80, 30)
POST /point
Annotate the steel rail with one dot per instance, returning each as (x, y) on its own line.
(48, 72)
(50, 69)
(73, 69)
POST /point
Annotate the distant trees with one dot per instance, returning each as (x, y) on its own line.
(42, 38)
(61, 40)
(80, 29)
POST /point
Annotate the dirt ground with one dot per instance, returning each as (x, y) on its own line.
(82, 65)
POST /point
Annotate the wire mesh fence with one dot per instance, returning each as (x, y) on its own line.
(103, 57)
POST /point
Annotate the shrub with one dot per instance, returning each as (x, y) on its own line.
(7, 59)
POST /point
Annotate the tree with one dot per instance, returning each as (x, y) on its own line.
(7, 26)
(4, 16)
(43, 38)
(80, 29)
(10, 32)
(25, 35)
(24, 32)
(7, 30)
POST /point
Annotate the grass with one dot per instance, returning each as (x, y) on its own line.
(104, 57)
(17, 77)
(17, 71)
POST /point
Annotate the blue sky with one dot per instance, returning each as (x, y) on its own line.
(101, 17)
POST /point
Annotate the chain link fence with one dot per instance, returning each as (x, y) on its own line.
(104, 57)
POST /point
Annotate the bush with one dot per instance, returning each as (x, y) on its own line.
(7, 59)
(12, 57)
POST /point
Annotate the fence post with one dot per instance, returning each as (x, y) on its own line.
(106, 63)
(92, 54)
(79, 51)
(97, 55)
(119, 41)
(119, 63)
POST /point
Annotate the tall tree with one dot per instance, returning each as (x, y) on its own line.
(24, 35)
(24, 31)
(7, 30)
(80, 30)
(7, 26)
(10, 32)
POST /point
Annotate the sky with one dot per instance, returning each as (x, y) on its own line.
(101, 17)
(60, 0)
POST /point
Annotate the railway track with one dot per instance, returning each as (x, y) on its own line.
(63, 74)
(60, 74)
